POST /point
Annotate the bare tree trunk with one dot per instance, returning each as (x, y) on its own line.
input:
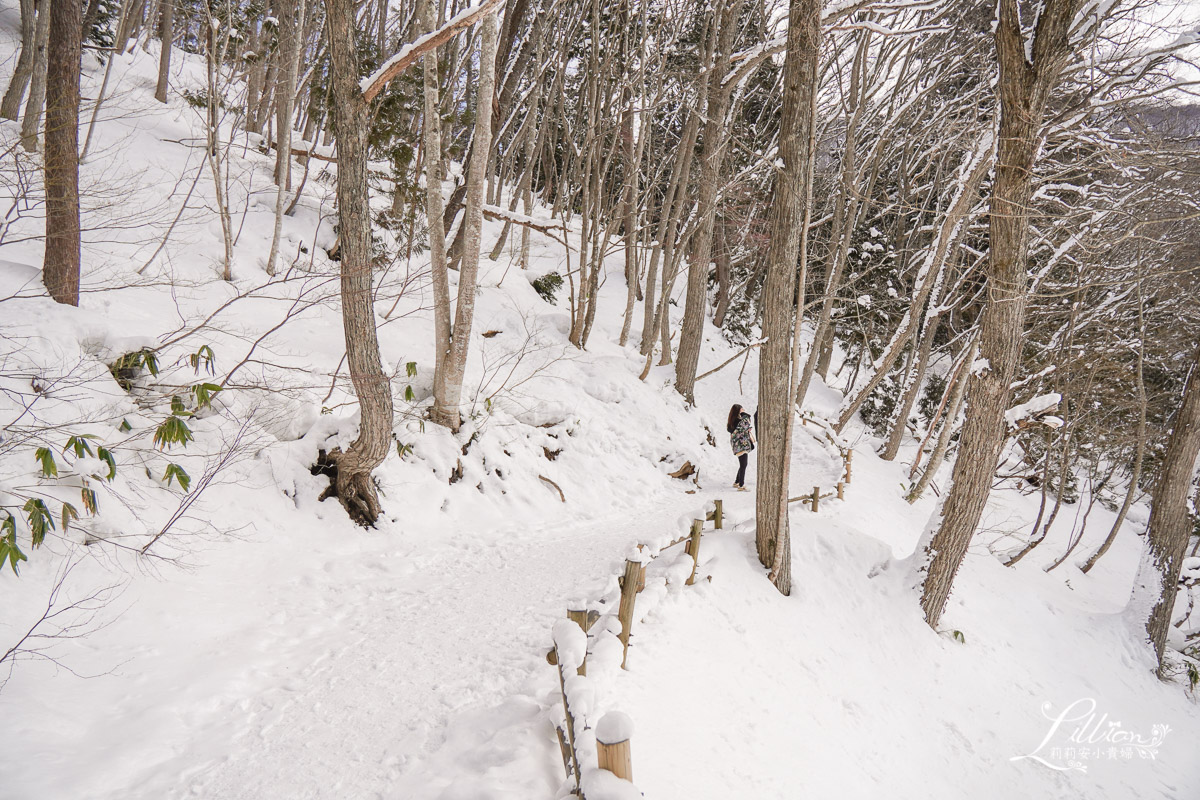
(433, 216)
(449, 384)
(214, 56)
(90, 16)
(631, 164)
(129, 25)
(711, 158)
(938, 455)
(1169, 528)
(10, 107)
(975, 168)
(257, 74)
(722, 258)
(166, 38)
(31, 120)
(670, 211)
(60, 269)
(292, 13)
(1064, 470)
(1024, 90)
(353, 483)
(793, 184)
(1139, 453)
(845, 212)
(911, 390)
(87, 140)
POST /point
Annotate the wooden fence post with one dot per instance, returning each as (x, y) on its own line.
(840, 489)
(816, 499)
(693, 548)
(719, 514)
(849, 463)
(570, 720)
(635, 574)
(613, 752)
(580, 618)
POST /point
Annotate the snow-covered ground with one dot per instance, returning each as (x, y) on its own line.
(283, 652)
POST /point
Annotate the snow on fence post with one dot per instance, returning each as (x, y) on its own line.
(613, 752)
(693, 548)
(718, 514)
(635, 575)
(580, 617)
(570, 647)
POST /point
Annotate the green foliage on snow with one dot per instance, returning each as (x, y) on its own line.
(548, 285)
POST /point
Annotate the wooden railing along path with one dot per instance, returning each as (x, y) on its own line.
(613, 731)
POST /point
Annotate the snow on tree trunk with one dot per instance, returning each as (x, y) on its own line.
(1024, 90)
(1170, 526)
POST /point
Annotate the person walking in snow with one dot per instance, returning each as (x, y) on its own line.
(740, 427)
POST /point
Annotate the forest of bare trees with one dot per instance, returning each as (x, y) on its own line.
(948, 211)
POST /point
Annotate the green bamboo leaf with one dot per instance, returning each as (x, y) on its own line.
(40, 519)
(105, 455)
(68, 513)
(49, 468)
(9, 550)
(174, 471)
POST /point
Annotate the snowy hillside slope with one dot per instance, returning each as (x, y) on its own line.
(269, 648)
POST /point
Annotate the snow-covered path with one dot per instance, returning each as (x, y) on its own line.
(361, 672)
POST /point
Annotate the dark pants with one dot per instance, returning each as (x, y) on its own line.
(743, 459)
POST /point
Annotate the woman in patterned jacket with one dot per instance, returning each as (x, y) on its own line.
(741, 437)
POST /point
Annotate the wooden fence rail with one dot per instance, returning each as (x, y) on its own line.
(613, 732)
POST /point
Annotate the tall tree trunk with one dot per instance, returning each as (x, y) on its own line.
(10, 107)
(1139, 452)
(845, 212)
(60, 269)
(793, 184)
(691, 331)
(90, 16)
(433, 215)
(911, 390)
(631, 164)
(974, 170)
(448, 384)
(1169, 528)
(291, 25)
(955, 403)
(32, 118)
(1024, 90)
(166, 38)
(353, 484)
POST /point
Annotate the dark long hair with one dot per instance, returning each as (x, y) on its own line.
(735, 413)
